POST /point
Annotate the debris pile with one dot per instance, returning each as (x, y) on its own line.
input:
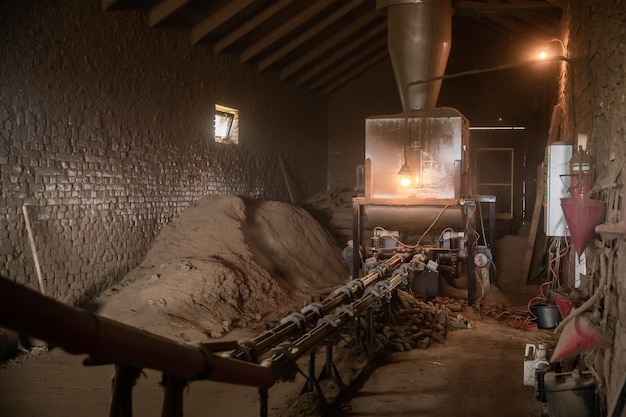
(225, 263)
(417, 324)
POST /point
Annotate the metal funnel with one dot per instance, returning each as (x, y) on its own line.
(582, 215)
(419, 41)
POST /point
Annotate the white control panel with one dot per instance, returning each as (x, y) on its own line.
(557, 183)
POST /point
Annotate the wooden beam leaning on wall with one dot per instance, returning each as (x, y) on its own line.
(165, 9)
(107, 4)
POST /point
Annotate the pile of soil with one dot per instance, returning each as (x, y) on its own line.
(226, 263)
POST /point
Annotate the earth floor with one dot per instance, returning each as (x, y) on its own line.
(477, 372)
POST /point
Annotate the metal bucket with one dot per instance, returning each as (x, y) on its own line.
(547, 315)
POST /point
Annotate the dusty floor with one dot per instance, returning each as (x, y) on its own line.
(225, 267)
(476, 372)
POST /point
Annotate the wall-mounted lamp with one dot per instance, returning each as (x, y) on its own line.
(498, 68)
(411, 170)
(405, 170)
(548, 50)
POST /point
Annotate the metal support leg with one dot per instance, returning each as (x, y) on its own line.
(173, 402)
(123, 383)
(370, 325)
(471, 280)
(311, 383)
(330, 371)
(263, 402)
(358, 335)
(357, 237)
(492, 238)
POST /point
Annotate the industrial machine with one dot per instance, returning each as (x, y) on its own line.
(417, 172)
(417, 209)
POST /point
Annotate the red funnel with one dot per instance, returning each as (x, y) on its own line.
(566, 304)
(578, 336)
(582, 216)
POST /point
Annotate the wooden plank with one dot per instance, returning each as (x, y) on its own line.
(476, 8)
(534, 225)
(287, 179)
(555, 124)
(339, 38)
(345, 58)
(307, 35)
(107, 4)
(165, 9)
(348, 62)
(334, 84)
(201, 30)
(247, 27)
(284, 30)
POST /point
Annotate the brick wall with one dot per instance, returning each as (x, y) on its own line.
(594, 97)
(106, 135)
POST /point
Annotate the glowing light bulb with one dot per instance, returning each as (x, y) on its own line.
(405, 182)
(543, 55)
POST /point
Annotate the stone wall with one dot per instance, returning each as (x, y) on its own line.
(106, 135)
(593, 95)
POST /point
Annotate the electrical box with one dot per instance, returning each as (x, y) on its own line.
(557, 184)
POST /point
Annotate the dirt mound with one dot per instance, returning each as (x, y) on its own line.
(223, 263)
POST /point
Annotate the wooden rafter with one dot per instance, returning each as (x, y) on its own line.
(476, 8)
(107, 4)
(284, 29)
(337, 38)
(307, 35)
(373, 49)
(200, 31)
(321, 44)
(357, 70)
(372, 37)
(248, 26)
(165, 9)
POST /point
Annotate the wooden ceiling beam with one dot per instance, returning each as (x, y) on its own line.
(542, 26)
(201, 30)
(476, 8)
(284, 50)
(107, 4)
(248, 26)
(165, 9)
(562, 4)
(355, 72)
(284, 29)
(347, 53)
(372, 49)
(355, 27)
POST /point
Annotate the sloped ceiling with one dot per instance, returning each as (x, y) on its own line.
(320, 45)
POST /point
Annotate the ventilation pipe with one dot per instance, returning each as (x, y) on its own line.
(419, 41)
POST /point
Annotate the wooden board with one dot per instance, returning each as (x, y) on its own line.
(532, 235)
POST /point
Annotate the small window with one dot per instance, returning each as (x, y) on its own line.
(226, 124)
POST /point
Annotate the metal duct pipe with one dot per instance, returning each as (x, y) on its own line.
(419, 41)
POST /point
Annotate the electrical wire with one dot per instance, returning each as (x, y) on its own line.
(406, 245)
(543, 297)
(433, 223)
(482, 224)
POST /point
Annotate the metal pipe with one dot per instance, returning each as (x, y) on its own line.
(419, 41)
(329, 325)
(344, 295)
(80, 332)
